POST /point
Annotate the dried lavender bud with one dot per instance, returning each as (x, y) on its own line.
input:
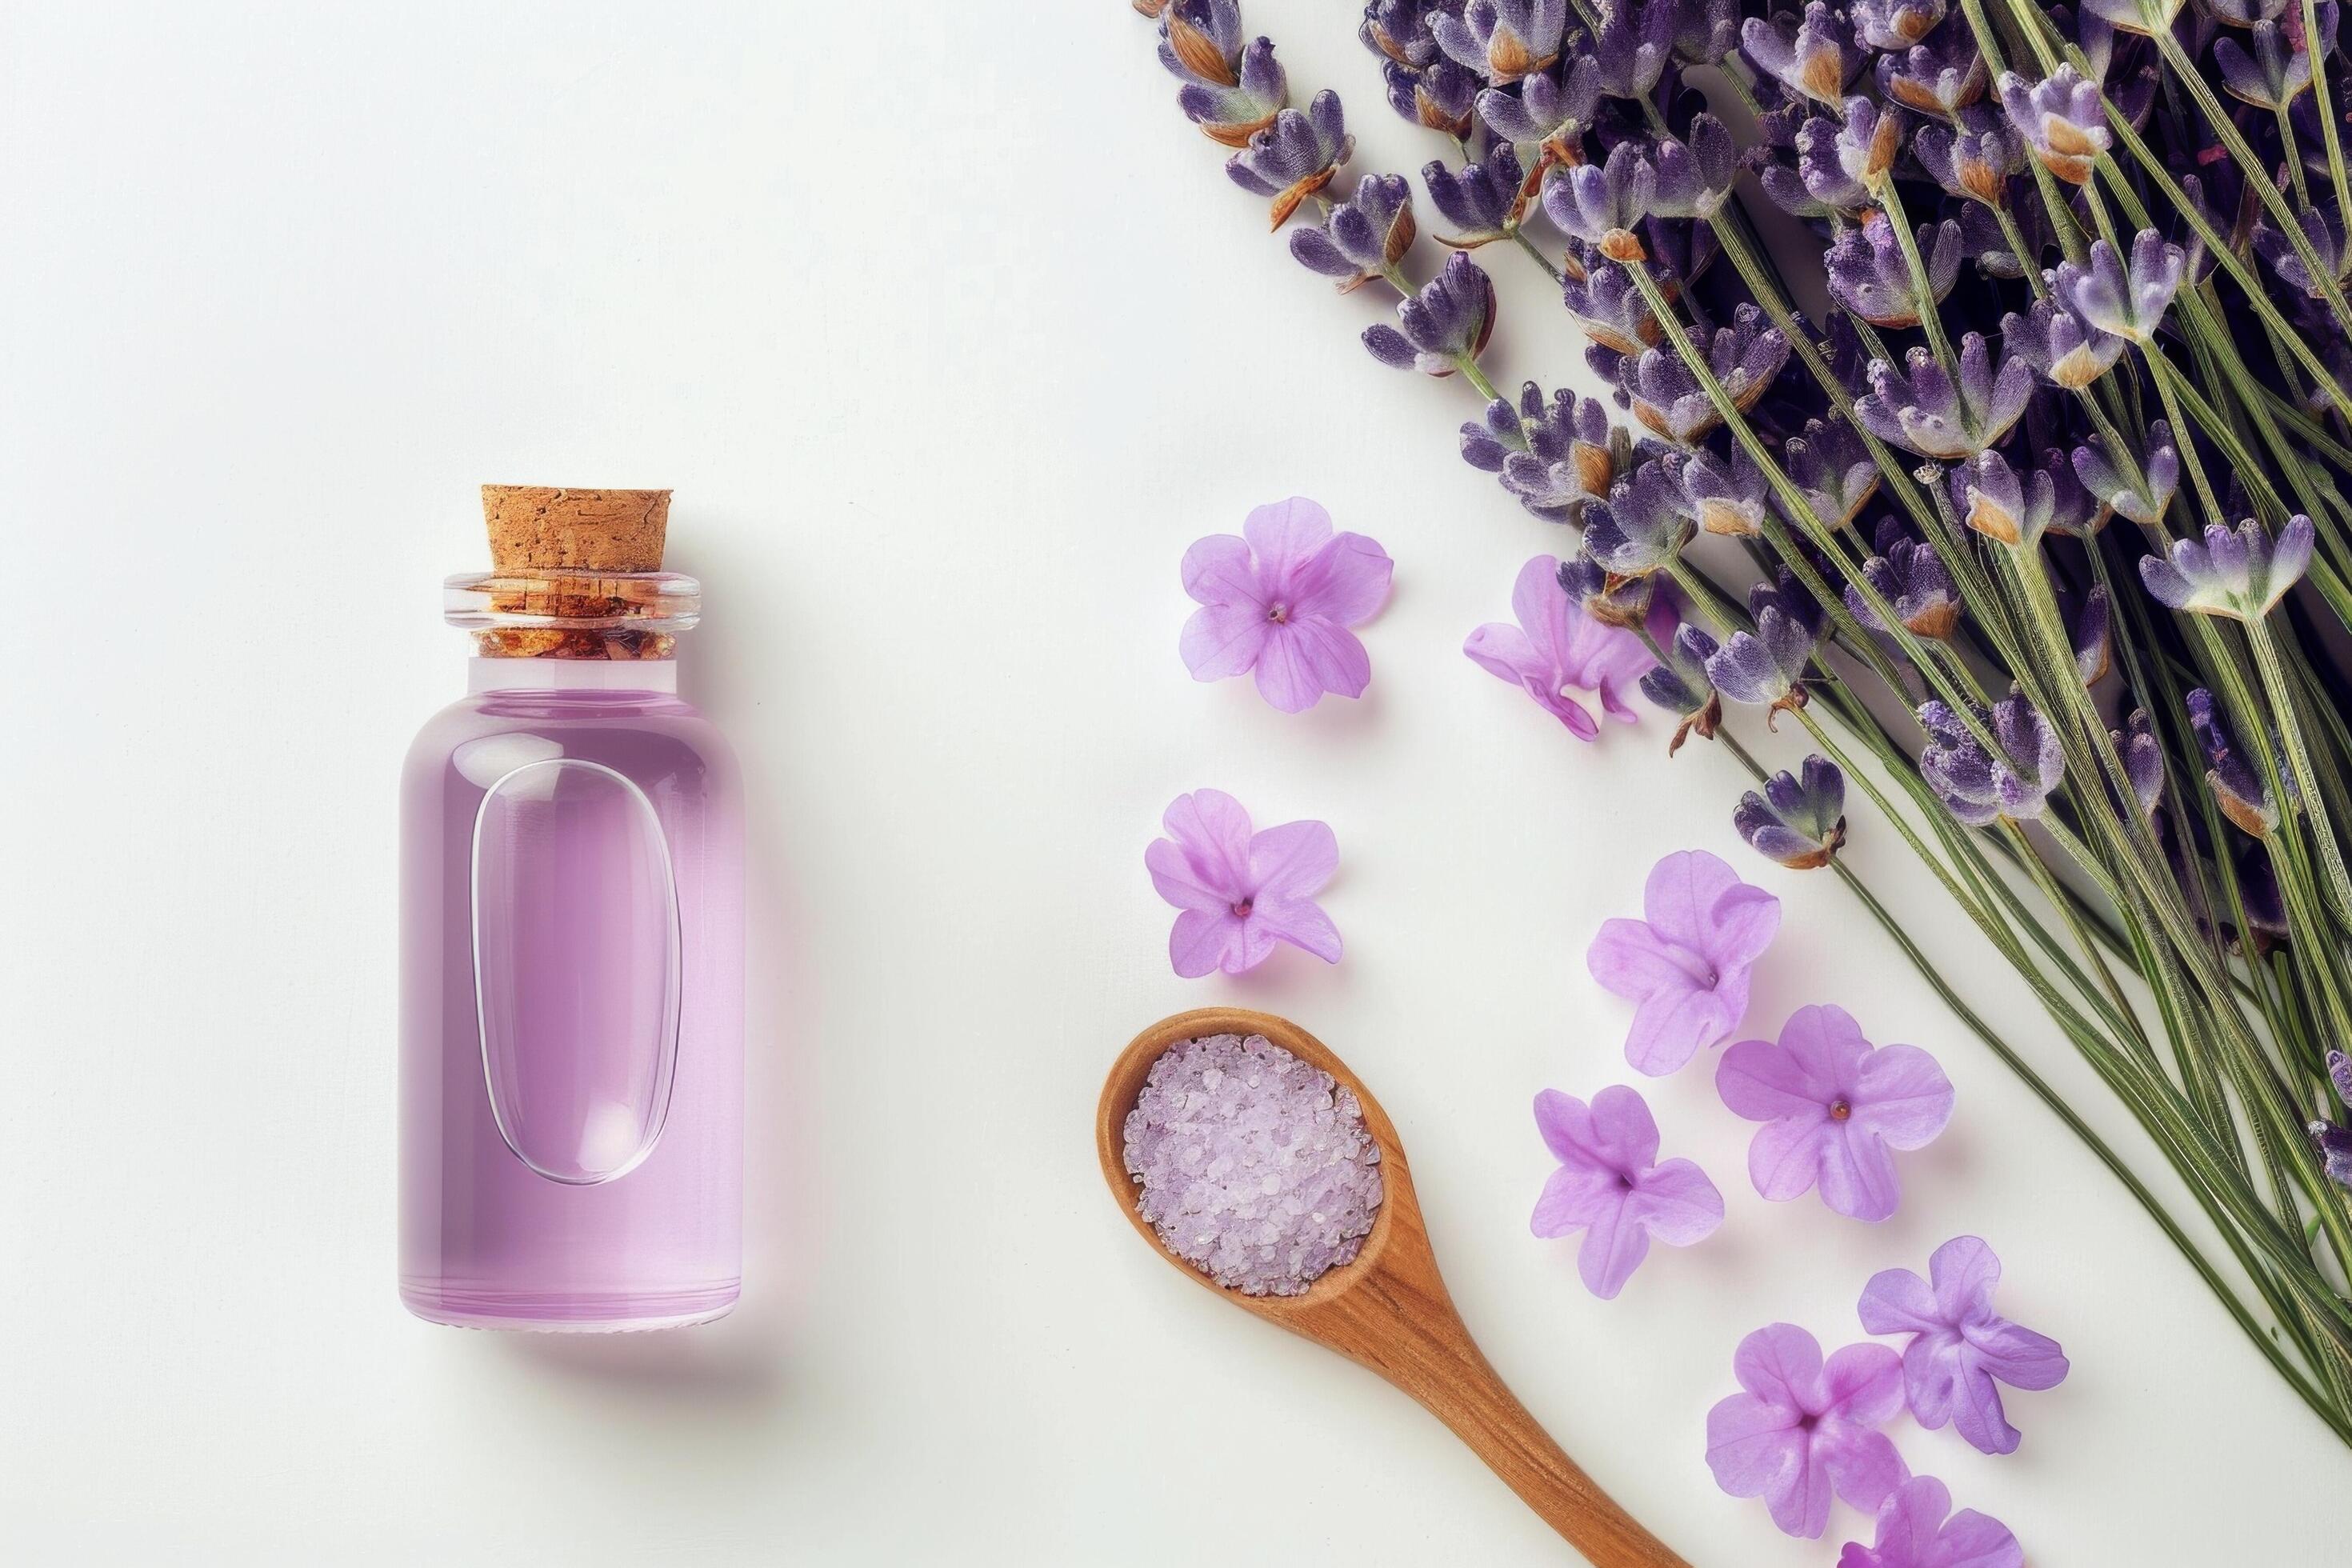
(1233, 87)
(2143, 759)
(1974, 160)
(2243, 13)
(1813, 57)
(2090, 634)
(1830, 463)
(2237, 787)
(1610, 309)
(1869, 275)
(1254, 1167)
(1722, 495)
(1295, 156)
(1896, 23)
(1613, 601)
(1439, 96)
(2324, 230)
(1912, 578)
(2268, 70)
(1666, 395)
(2238, 574)
(1993, 499)
(1931, 414)
(1798, 822)
(1680, 685)
(1815, 182)
(1551, 459)
(1705, 32)
(1361, 237)
(2061, 120)
(2334, 1146)
(2143, 501)
(1768, 665)
(1505, 39)
(1551, 109)
(2074, 511)
(1398, 31)
(1941, 77)
(1483, 200)
(1979, 787)
(2128, 301)
(2064, 348)
(1631, 48)
(1448, 321)
(1643, 527)
(1694, 177)
(1602, 203)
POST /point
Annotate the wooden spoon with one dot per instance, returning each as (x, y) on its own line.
(1388, 1309)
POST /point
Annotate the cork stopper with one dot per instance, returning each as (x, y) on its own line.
(548, 526)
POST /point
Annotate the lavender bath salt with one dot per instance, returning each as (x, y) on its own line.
(1256, 1168)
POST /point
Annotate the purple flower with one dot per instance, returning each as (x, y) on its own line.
(1549, 110)
(1830, 464)
(1279, 600)
(1233, 87)
(1896, 23)
(1438, 97)
(2067, 350)
(1913, 579)
(1295, 156)
(2090, 631)
(1608, 304)
(2241, 573)
(1804, 1428)
(1362, 236)
(2331, 1139)
(1632, 46)
(1801, 823)
(1686, 961)
(1869, 275)
(1644, 525)
(1554, 458)
(1723, 495)
(1867, 140)
(2127, 301)
(1813, 57)
(2142, 499)
(1622, 601)
(1239, 892)
(1557, 651)
(1506, 39)
(1823, 182)
(2143, 759)
(1768, 665)
(2276, 69)
(1694, 177)
(1680, 686)
(1941, 76)
(1936, 416)
(1601, 202)
(2061, 119)
(1667, 397)
(1610, 1187)
(1914, 1533)
(1976, 786)
(1832, 1106)
(2239, 789)
(1483, 200)
(2324, 230)
(1960, 1348)
(1991, 500)
(1974, 160)
(1447, 322)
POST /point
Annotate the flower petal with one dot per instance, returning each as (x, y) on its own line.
(1575, 1197)
(2017, 1355)
(1329, 654)
(1202, 941)
(1763, 1082)
(1977, 1414)
(1214, 832)
(1754, 1450)
(1284, 535)
(1901, 1095)
(1784, 1159)
(1780, 1363)
(1965, 1272)
(1681, 895)
(1677, 1203)
(1301, 923)
(1292, 860)
(1857, 1174)
(1741, 926)
(1862, 1382)
(1613, 1247)
(1345, 582)
(1897, 1302)
(1669, 1027)
(1285, 677)
(1624, 1130)
(1861, 1463)
(1564, 1119)
(1828, 1042)
(1218, 570)
(1223, 640)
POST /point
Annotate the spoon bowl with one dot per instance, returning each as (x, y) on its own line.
(1387, 1308)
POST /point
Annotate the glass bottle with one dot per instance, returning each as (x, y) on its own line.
(571, 1024)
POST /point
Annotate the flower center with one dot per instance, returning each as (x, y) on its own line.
(1840, 1109)
(1277, 613)
(1693, 963)
(1242, 909)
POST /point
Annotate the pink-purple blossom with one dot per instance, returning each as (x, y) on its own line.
(1833, 1107)
(1611, 1185)
(1913, 1532)
(1239, 892)
(1686, 961)
(1805, 1428)
(1960, 1348)
(1278, 598)
(1557, 652)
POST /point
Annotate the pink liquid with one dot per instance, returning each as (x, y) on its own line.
(571, 1024)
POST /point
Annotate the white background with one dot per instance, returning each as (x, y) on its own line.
(950, 335)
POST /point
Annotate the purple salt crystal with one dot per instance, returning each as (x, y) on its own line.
(1869, 275)
(1252, 1166)
(1233, 86)
(1361, 237)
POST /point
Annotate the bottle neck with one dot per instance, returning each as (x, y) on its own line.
(572, 675)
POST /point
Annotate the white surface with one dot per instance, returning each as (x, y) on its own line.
(950, 335)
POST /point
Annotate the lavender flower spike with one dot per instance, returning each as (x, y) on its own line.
(2145, 499)
(1447, 322)
(1975, 162)
(1868, 140)
(1801, 823)
(1505, 39)
(2334, 1141)
(1694, 177)
(1484, 200)
(1233, 89)
(1980, 788)
(1549, 109)
(1295, 156)
(2143, 759)
(1553, 458)
(1601, 202)
(2068, 350)
(1666, 395)
(2238, 789)
(2240, 574)
(1914, 581)
(1942, 76)
(1869, 275)
(1362, 236)
(2128, 301)
(1644, 526)
(1896, 23)
(1680, 685)
(1768, 665)
(1929, 412)
(1992, 500)
(1815, 59)
(1833, 469)
(1609, 308)
(1724, 496)
(2061, 119)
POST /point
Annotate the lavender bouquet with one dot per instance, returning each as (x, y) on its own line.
(2044, 509)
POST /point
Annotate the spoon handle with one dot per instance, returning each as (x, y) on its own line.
(1424, 1347)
